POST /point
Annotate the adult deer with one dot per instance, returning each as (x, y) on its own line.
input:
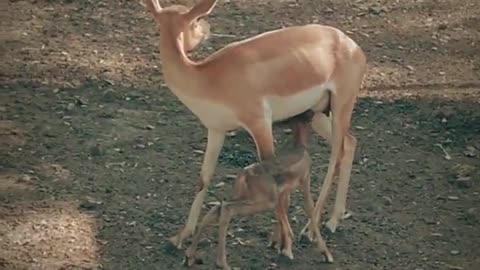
(253, 83)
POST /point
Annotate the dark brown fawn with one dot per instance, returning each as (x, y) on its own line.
(267, 185)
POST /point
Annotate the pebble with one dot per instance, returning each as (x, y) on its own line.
(70, 106)
(464, 182)
(454, 252)
(429, 221)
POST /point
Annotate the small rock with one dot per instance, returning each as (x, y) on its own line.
(90, 203)
(442, 26)
(375, 10)
(454, 252)
(231, 176)
(452, 198)
(273, 266)
(140, 146)
(464, 182)
(472, 215)
(464, 170)
(70, 106)
(470, 151)
(82, 101)
(131, 223)
(220, 184)
(429, 221)
(149, 127)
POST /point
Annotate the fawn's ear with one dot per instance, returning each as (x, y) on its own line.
(201, 9)
(152, 5)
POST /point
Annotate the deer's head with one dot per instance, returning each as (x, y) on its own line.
(186, 24)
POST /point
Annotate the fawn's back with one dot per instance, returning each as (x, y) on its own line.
(271, 176)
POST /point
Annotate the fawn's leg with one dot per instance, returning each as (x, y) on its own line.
(308, 230)
(215, 142)
(276, 241)
(286, 230)
(212, 216)
(227, 212)
(314, 231)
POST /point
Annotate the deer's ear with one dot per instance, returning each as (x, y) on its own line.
(201, 9)
(153, 6)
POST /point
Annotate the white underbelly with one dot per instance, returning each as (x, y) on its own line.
(212, 115)
(283, 107)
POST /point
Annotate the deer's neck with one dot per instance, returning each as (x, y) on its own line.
(177, 68)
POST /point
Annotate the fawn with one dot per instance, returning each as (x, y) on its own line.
(268, 185)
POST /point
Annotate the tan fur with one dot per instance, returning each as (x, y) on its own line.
(253, 83)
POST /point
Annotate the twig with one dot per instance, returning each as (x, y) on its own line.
(447, 156)
(223, 35)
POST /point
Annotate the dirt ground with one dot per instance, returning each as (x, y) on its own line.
(98, 159)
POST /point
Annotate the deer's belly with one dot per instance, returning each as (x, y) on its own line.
(212, 115)
(283, 107)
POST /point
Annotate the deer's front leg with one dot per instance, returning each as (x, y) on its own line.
(215, 143)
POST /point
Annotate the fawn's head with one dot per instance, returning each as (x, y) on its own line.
(182, 22)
